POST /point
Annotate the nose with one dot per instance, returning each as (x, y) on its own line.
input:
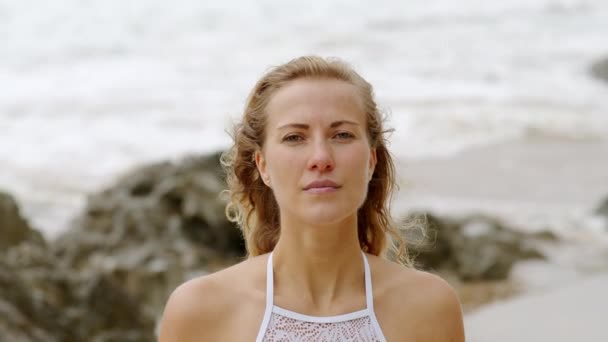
(321, 158)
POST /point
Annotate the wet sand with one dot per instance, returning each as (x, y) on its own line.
(574, 312)
(532, 182)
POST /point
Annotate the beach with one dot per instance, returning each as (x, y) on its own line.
(495, 108)
(534, 184)
(573, 312)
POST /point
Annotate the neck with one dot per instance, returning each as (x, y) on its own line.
(318, 265)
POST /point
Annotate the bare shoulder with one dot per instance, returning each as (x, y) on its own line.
(201, 308)
(423, 302)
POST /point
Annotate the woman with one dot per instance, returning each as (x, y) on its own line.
(310, 178)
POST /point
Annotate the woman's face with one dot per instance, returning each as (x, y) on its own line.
(316, 131)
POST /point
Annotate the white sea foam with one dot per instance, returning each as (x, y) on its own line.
(89, 89)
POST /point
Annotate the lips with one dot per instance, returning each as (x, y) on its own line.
(325, 183)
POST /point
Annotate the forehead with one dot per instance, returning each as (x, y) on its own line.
(315, 99)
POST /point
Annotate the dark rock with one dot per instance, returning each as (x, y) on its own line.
(428, 241)
(13, 227)
(474, 248)
(599, 69)
(56, 304)
(115, 311)
(602, 208)
(544, 235)
(25, 317)
(602, 211)
(155, 228)
(41, 300)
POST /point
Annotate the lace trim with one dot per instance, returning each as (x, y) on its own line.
(320, 319)
(286, 329)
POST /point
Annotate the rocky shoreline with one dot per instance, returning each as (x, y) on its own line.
(107, 277)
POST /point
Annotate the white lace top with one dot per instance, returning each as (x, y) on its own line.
(287, 326)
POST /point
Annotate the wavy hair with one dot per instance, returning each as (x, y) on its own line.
(252, 204)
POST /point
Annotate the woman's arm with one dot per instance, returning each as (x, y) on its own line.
(186, 316)
(448, 313)
(439, 311)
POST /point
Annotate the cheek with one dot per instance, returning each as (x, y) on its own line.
(284, 166)
(358, 160)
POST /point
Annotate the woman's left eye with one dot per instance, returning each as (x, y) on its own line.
(344, 135)
(292, 138)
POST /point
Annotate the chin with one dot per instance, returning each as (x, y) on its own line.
(327, 215)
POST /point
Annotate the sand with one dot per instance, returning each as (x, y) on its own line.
(534, 182)
(575, 312)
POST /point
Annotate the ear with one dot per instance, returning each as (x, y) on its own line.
(373, 160)
(260, 163)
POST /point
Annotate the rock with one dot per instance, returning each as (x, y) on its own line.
(428, 241)
(116, 312)
(544, 235)
(155, 228)
(41, 300)
(487, 249)
(474, 248)
(602, 212)
(602, 209)
(56, 304)
(599, 69)
(13, 227)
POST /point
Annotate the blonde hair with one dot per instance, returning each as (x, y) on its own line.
(252, 204)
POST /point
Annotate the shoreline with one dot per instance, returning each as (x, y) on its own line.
(533, 183)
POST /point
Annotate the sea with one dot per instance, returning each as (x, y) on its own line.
(90, 89)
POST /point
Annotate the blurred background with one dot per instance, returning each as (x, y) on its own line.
(500, 111)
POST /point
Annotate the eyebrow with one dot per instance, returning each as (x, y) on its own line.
(333, 124)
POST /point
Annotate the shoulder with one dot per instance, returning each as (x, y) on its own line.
(198, 308)
(423, 300)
